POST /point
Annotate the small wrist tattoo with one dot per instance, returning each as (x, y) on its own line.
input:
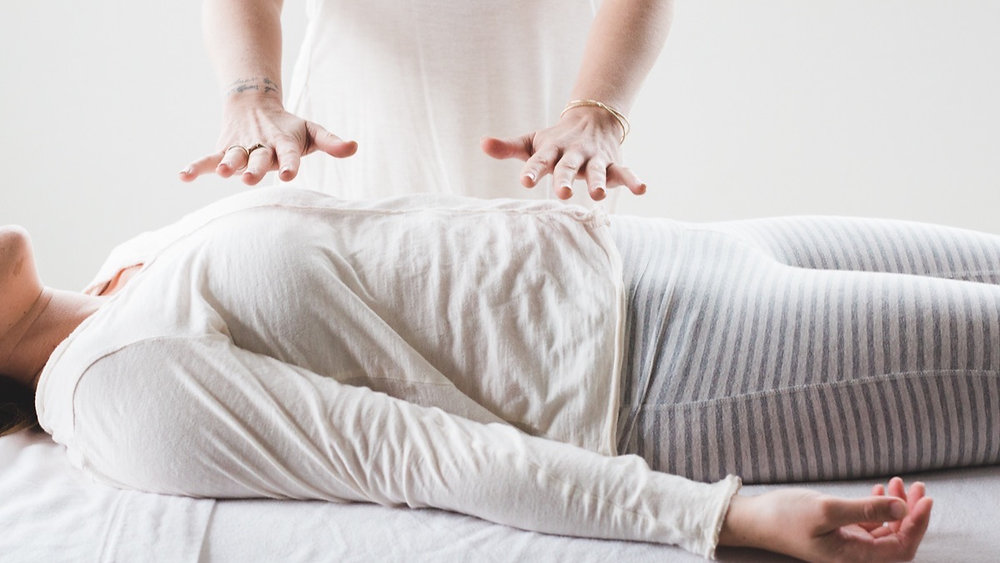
(261, 84)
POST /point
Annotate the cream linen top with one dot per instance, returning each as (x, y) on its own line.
(423, 351)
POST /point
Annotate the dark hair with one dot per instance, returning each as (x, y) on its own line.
(17, 406)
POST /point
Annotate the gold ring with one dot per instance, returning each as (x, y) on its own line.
(241, 147)
(255, 147)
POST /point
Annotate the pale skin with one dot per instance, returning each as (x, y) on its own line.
(243, 38)
(888, 525)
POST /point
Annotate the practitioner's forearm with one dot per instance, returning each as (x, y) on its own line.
(243, 39)
(624, 42)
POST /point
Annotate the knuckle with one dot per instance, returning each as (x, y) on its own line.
(261, 156)
(542, 161)
(287, 143)
(596, 166)
(871, 513)
(827, 508)
(285, 151)
(570, 162)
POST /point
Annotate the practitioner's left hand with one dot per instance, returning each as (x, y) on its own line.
(583, 144)
(817, 527)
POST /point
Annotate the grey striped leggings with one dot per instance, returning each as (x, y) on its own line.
(809, 348)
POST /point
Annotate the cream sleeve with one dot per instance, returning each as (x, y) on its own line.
(201, 417)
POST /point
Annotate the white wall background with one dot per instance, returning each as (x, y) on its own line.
(856, 107)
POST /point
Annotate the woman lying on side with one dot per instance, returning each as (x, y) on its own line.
(526, 363)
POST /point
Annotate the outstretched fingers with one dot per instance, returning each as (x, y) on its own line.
(619, 175)
(319, 138)
(597, 179)
(260, 163)
(289, 155)
(225, 163)
(259, 137)
(541, 163)
(564, 172)
(234, 159)
(514, 147)
(204, 165)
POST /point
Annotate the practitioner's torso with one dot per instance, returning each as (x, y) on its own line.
(419, 83)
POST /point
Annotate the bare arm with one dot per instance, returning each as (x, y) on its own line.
(622, 45)
(624, 42)
(243, 38)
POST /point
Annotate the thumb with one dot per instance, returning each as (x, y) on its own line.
(871, 509)
(514, 147)
(328, 142)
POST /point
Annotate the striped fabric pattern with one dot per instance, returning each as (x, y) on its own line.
(809, 348)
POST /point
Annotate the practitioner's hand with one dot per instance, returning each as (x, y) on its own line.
(583, 144)
(252, 119)
(817, 527)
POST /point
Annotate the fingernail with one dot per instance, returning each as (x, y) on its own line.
(530, 176)
(601, 192)
(185, 171)
(898, 510)
(642, 188)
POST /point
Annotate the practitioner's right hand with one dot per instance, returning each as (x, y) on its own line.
(817, 527)
(252, 119)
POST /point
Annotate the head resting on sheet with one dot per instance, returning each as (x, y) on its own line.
(19, 289)
(34, 320)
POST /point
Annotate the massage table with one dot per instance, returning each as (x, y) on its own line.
(51, 512)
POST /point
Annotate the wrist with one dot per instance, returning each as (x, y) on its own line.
(599, 113)
(258, 90)
(736, 530)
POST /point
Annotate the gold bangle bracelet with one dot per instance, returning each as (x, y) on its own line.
(619, 116)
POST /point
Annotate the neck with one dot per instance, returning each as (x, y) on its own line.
(52, 318)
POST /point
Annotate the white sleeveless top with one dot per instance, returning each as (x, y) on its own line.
(418, 83)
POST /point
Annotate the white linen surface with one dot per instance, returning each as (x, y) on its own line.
(51, 512)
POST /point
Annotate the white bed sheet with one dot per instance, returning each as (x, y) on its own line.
(51, 512)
